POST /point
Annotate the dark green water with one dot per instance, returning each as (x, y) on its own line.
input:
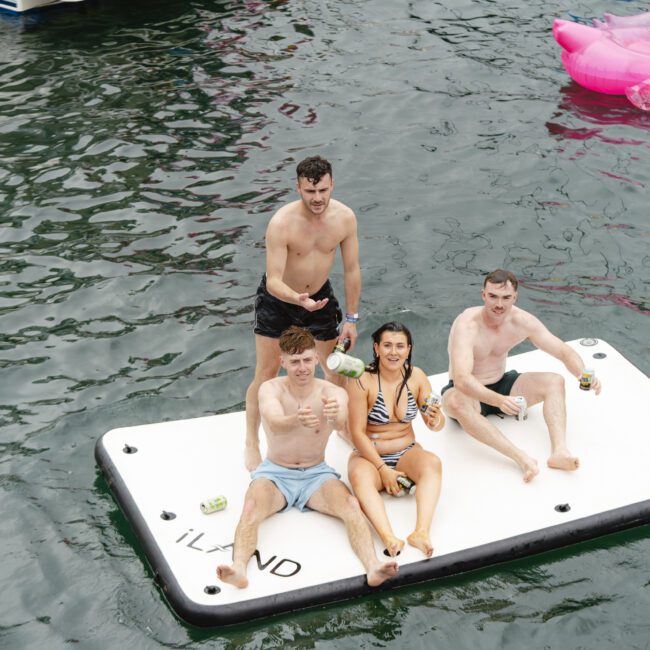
(143, 148)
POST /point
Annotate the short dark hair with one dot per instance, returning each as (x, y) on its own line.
(313, 169)
(501, 276)
(296, 340)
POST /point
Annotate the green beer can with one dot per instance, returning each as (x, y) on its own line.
(214, 505)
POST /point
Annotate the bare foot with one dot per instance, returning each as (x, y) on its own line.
(393, 545)
(421, 540)
(382, 572)
(563, 460)
(230, 575)
(529, 467)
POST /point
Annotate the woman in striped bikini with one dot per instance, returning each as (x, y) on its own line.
(382, 406)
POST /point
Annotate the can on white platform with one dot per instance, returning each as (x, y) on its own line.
(214, 505)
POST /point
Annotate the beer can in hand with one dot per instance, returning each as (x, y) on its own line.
(523, 407)
(344, 364)
(587, 379)
(408, 486)
(432, 400)
(214, 505)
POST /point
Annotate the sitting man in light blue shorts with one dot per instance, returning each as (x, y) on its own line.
(299, 412)
(297, 484)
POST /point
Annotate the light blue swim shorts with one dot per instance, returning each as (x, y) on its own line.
(296, 484)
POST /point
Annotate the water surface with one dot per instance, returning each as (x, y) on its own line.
(143, 151)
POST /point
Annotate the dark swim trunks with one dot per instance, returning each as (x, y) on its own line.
(503, 387)
(273, 316)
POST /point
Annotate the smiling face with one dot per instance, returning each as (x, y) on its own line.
(300, 367)
(315, 196)
(498, 299)
(392, 350)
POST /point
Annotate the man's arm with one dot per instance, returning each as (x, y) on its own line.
(541, 338)
(351, 280)
(335, 407)
(272, 411)
(276, 261)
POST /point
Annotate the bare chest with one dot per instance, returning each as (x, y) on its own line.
(307, 240)
(490, 344)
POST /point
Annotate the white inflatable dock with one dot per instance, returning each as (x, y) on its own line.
(160, 473)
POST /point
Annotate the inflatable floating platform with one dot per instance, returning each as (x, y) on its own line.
(161, 473)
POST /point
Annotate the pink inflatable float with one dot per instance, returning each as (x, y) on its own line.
(613, 57)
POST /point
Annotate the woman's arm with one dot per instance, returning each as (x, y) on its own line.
(433, 417)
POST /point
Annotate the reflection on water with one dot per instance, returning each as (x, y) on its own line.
(143, 152)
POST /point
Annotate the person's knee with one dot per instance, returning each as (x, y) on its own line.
(356, 474)
(555, 383)
(250, 511)
(350, 508)
(455, 404)
(434, 464)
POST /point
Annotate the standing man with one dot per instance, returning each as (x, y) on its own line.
(301, 242)
(299, 413)
(479, 342)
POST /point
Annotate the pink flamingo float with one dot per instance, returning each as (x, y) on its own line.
(612, 57)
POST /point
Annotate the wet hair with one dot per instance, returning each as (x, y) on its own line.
(313, 169)
(501, 276)
(373, 366)
(296, 340)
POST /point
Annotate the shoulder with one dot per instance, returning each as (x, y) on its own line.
(361, 385)
(283, 216)
(418, 375)
(330, 390)
(418, 380)
(342, 212)
(468, 320)
(525, 320)
(271, 387)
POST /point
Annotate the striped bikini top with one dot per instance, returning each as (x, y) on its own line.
(378, 414)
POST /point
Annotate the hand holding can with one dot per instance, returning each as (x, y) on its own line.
(330, 409)
(432, 413)
(587, 377)
(523, 407)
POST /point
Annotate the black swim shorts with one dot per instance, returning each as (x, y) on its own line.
(503, 387)
(273, 316)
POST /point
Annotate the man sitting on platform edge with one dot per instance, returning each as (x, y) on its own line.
(299, 412)
(479, 342)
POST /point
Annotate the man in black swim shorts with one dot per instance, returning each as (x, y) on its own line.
(503, 387)
(479, 342)
(301, 243)
(272, 316)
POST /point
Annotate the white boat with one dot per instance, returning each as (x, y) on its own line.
(160, 473)
(22, 6)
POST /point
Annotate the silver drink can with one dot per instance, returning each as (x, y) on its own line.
(214, 505)
(408, 485)
(432, 400)
(523, 407)
(344, 364)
